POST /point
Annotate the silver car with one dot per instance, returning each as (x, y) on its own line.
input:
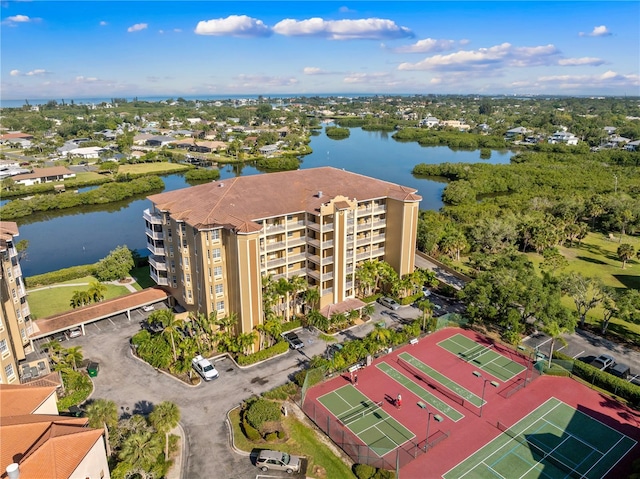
(389, 303)
(278, 461)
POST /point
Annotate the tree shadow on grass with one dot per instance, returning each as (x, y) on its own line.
(590, 260)
(628, 280)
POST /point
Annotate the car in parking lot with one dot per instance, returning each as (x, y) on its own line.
(269, 460)
(621, 370)
(604, 361)
(204, 368)
(74, 332)
(389, 303)
(147, 308)
(152, 326)
(294, 341)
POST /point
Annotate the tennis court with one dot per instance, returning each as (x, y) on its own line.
(555, 441)
(429, 375)
(482, 357)
(419, 391)
(366, 419)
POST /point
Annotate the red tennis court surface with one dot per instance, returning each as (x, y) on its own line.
(477, 427)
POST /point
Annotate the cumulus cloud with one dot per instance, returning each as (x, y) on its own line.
(362, 29)
(103, 23)
(138, 27)
(18, 19)
(483, 59)
(32, 73)
(234, 26)
(428, 45)
(608, 80)
(573, 62)
(315, 71)
(599, 31)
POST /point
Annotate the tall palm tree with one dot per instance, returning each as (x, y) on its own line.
(73, 356)
(426, 307)
(79, 298)
(318, 320)
(164, 417)
(381, 335)
(103, 413)
(312, 297)
(297, 284)
(555, 332)
(141, 449)
(245, 341)
(97, 291)
(625, 253)
(171, 329)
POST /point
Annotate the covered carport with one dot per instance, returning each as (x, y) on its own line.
(96, 312)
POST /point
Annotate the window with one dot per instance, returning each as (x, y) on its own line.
(3, 347)
(220, 306)
(171, 250)
(217, 271)
(23, 333)
(215, 235)
(189, 295)
(290, 234)
(188, 278)
(8, 370)
(219, 290)
(216, 253)
(186, 261)
(209, 271)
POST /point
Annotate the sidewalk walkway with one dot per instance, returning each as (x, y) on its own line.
(128, 285)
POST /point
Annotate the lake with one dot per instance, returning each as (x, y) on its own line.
(85, 235)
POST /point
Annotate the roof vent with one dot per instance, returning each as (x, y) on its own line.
(13, 471)
(319, 194)
(220, 185)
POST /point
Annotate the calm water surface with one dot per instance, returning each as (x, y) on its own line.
(83, 236)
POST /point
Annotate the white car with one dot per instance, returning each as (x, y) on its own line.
(204, 368)
(147, 308)
(74, 333)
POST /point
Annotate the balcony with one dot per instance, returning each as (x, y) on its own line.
(314, 242)
(17, 271)
(364, 226)
(158, 262)
(153, 218)
(156, 235)
(273, 228)
(276, 245)
(25, 310)
(276, 262)
(21, 291)
(156, 250)
(295, 225)
(159, 280)
(300, 240)
(327, 244)
(379, 224)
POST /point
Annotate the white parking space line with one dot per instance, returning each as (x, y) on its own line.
(97, 327)
(580, 353)
(111, 321)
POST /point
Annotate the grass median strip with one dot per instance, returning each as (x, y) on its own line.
(419, 391)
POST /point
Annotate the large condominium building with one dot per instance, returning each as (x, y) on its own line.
(212, 244)
(15, 319)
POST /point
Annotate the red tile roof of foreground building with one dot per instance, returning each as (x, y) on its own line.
(237, 202)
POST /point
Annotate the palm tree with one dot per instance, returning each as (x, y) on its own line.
(97, 291)
(555, 332)
(103, 413)
(312, 297)
(245, 341)
(368, 310)
(297, 284)
(141, 449)
(625, 253)
(73, 356)
(170, 329)
(80, 298)
(318, 320)
(284, 290)
(164, 417)
(380, 335)
(426, 307)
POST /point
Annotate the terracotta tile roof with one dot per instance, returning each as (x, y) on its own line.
(50, 380)
(8, 229)
(94, 312)
(13, 136)
(239, 202)
(46, 446)
(343, 307)
(17, 400)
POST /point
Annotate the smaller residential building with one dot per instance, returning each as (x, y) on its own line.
(429, 122)
(563, 137)
(160, 140)
(633, 146)
(44, 175)
(267, 150)
(517, 132)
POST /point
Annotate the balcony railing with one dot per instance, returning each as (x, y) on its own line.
(276, 245)
(158, 262)
(153, 218)
(157, 250)
(157, 235)
(159, 280)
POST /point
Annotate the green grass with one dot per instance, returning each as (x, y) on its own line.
(141, 275)
(151, 168)
(303, 441)
(49, 301)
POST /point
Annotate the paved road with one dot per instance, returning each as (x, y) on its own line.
(136, 387)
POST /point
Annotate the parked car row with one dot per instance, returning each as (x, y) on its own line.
(608, 363)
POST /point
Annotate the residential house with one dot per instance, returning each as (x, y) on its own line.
(429, 122)
(610, 130)
(201, 146)
(39, 443)
(19, 139)
(616, 141)
(87, 152)
(44, 175)
(563, 137)
(515, 133)
(15, 315)
(633, 146)
(213, 244)
(141, 138)
(268, 150)
(457, 124)
(160, 140)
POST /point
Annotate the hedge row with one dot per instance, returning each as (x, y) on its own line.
(615, 385)
(410, 299)
(293, 324)
(60, 276)
(278, 348)
(364, 471)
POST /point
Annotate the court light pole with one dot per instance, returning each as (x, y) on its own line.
(437, 417)
(495, 384)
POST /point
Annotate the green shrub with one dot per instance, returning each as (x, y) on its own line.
(272, 436)
(201, 174)
(281, 392)
(300, 376)
(364, 471)
(60, 275)
(78, 387)
(293, 324)
(384, 474)
(337, 132)
(410, 299)
(278, 348)
(250, 432)
(280, 434)
(261, 411)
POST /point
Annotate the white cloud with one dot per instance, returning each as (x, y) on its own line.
(83, 79)
(260, 82)
(315, 71)
(137, 27)
(177, 30)
(484, 59)
(15, 73)
(19, 19)
(36, 72)
(572, 62)
(362, 29)
(599, 31)
(607, 81)
(234, 26)
(103, 23)
(428, 45)
(375, 78)
(346, 9)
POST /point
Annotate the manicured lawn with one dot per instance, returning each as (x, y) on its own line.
(87, 175)
(141, 275)
(302, 441)
(150, 168)
(49, 301)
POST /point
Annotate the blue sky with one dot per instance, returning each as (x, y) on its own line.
(154, 48)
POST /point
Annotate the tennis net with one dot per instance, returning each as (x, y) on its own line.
(353, 416)
(539, 453)
(422, 376)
